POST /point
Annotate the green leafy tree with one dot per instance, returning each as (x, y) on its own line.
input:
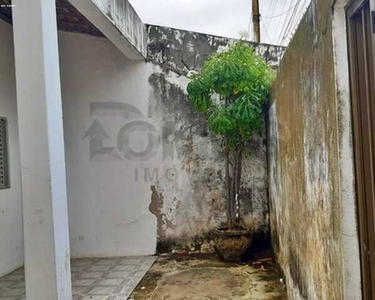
(230, 91)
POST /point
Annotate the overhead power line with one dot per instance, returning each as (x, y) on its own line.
(283, 24)
(265, 30)
(294, 21)
(297, 18)
(284, 13)
(290, 22)
(270, 11)
(284, 21)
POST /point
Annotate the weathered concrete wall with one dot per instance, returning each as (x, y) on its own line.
(119, 22)
(181, 51)
(194, 202)
(122, 15)
(306, 162)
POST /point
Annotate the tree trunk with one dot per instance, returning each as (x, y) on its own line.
(229, 189)
(233, 181)
(234, 188)
(238, 186)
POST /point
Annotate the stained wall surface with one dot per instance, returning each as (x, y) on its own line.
(191, 205)
(311, 178)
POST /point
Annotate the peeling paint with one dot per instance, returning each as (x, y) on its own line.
(155, 208)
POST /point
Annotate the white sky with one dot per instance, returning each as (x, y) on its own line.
(223, 17)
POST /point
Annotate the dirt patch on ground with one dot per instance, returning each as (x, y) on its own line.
(206, 278)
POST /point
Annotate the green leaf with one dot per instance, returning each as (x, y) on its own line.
(243, 80)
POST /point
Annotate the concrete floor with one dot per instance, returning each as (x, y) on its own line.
(197, 278)
(172, 277)
(93, 279)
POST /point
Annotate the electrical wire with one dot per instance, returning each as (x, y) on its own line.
(290, 22)
(286, 26)
(285, 22)
(271, 10)
(294, 21)
(285, 12)
(265, 30)
(297, 20)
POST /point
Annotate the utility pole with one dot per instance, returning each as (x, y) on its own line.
(256, 21)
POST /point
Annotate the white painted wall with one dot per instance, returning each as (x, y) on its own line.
(108, 209)
(11, 243)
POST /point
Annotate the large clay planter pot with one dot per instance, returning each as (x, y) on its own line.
(232, 244)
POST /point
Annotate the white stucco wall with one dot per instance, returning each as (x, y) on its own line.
(108, 208)
(11, 244)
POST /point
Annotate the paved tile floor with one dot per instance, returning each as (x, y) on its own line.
(93, 279)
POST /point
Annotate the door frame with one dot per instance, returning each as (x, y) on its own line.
(361, 82)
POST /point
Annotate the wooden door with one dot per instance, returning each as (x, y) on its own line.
(361, 50)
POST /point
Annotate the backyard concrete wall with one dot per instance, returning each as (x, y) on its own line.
(193, 203)
(11, 243)
(312, 201)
